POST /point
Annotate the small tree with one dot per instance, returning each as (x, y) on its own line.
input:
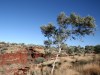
(97, 49)
(47, 32)
(89, 49)
(73, 26)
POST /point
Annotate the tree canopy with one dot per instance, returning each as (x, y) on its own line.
(72, 26)
(77, 25)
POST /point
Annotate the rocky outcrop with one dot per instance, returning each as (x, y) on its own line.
(10, 58)
(13, 59)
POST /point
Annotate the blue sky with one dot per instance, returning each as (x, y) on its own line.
(20, 20)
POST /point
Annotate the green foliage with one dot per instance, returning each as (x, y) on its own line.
(89, 49)
(47, 43)
(2, 43)
(76, 24)
(47, 30)
(72, 26)
(39, 60)
(97, 48)
(71, 49)
(3, 50)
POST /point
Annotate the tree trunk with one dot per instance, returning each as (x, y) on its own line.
(52, 71)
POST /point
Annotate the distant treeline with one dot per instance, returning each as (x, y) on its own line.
(64, 47)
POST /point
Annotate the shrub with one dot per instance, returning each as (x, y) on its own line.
(3, 50)
(97, 49)
(82, 62)
(77, 63)
(39, 60)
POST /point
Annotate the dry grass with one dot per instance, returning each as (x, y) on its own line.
(66, 72)
(88, 69)
(84, 58)
(66, 59)
(68, 68)
(91, 69)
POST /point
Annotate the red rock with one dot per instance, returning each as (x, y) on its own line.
(18, 57)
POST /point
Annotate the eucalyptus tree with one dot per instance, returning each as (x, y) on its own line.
(72, 26)
(47, 31)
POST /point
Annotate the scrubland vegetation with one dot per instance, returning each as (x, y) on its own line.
(79, 65)
(71, 27)
(60, 59)
(73, 60)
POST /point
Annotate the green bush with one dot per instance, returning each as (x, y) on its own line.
(39, 60)
(97, 49)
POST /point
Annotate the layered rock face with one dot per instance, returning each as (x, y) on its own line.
(12, 59)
